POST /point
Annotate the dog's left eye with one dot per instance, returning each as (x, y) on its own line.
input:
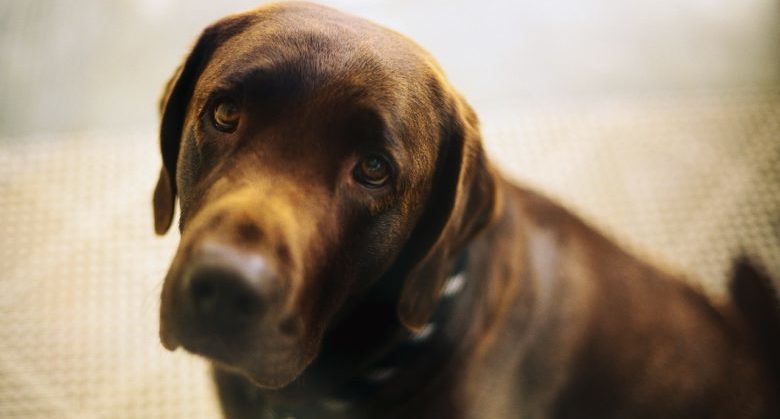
(226, 115)
(372, 171)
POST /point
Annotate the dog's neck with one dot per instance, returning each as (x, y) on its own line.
(390, 363)
(390, 360)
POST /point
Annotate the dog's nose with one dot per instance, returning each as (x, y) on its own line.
(224, 295)
(228, 289)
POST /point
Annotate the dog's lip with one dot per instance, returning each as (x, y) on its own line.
(277, 383)
(169, 340)
(228, 348)
(168, 337)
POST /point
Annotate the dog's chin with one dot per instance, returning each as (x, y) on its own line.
(277, 381)
(274, 374)
(266, 367)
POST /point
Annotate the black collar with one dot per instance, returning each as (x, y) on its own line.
(407, 351)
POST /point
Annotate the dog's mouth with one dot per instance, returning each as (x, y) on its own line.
(269, 358)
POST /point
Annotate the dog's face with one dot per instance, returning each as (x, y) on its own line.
(312, 152)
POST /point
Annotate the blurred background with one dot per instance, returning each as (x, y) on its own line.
(658, 121)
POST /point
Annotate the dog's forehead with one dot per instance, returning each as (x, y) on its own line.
(307, 31)
(314, 50)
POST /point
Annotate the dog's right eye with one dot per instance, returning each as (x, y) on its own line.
(226, 115)
(372, 171)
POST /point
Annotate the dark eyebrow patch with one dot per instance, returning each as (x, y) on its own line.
(267, 85)
(369, 127)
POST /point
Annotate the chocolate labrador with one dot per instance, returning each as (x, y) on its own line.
(347, 251)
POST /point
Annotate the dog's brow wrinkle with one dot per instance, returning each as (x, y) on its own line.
(240, 77)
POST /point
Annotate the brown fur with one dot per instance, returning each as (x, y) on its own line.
(555, 321)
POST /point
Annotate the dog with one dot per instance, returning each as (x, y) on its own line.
(348, 251)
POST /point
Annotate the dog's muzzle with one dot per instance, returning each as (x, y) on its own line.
(224, 299)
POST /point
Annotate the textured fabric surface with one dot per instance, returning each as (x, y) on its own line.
(687, 181)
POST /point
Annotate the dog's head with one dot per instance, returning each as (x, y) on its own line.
(311, 153)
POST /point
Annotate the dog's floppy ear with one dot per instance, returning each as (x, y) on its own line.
(173, 110)
(462, 201)
(164, 199)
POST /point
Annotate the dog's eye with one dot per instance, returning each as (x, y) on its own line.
(226, 115)
(372, 171)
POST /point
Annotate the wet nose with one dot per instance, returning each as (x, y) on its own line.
(227, 288)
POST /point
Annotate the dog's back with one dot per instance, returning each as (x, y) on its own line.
(618, 338)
